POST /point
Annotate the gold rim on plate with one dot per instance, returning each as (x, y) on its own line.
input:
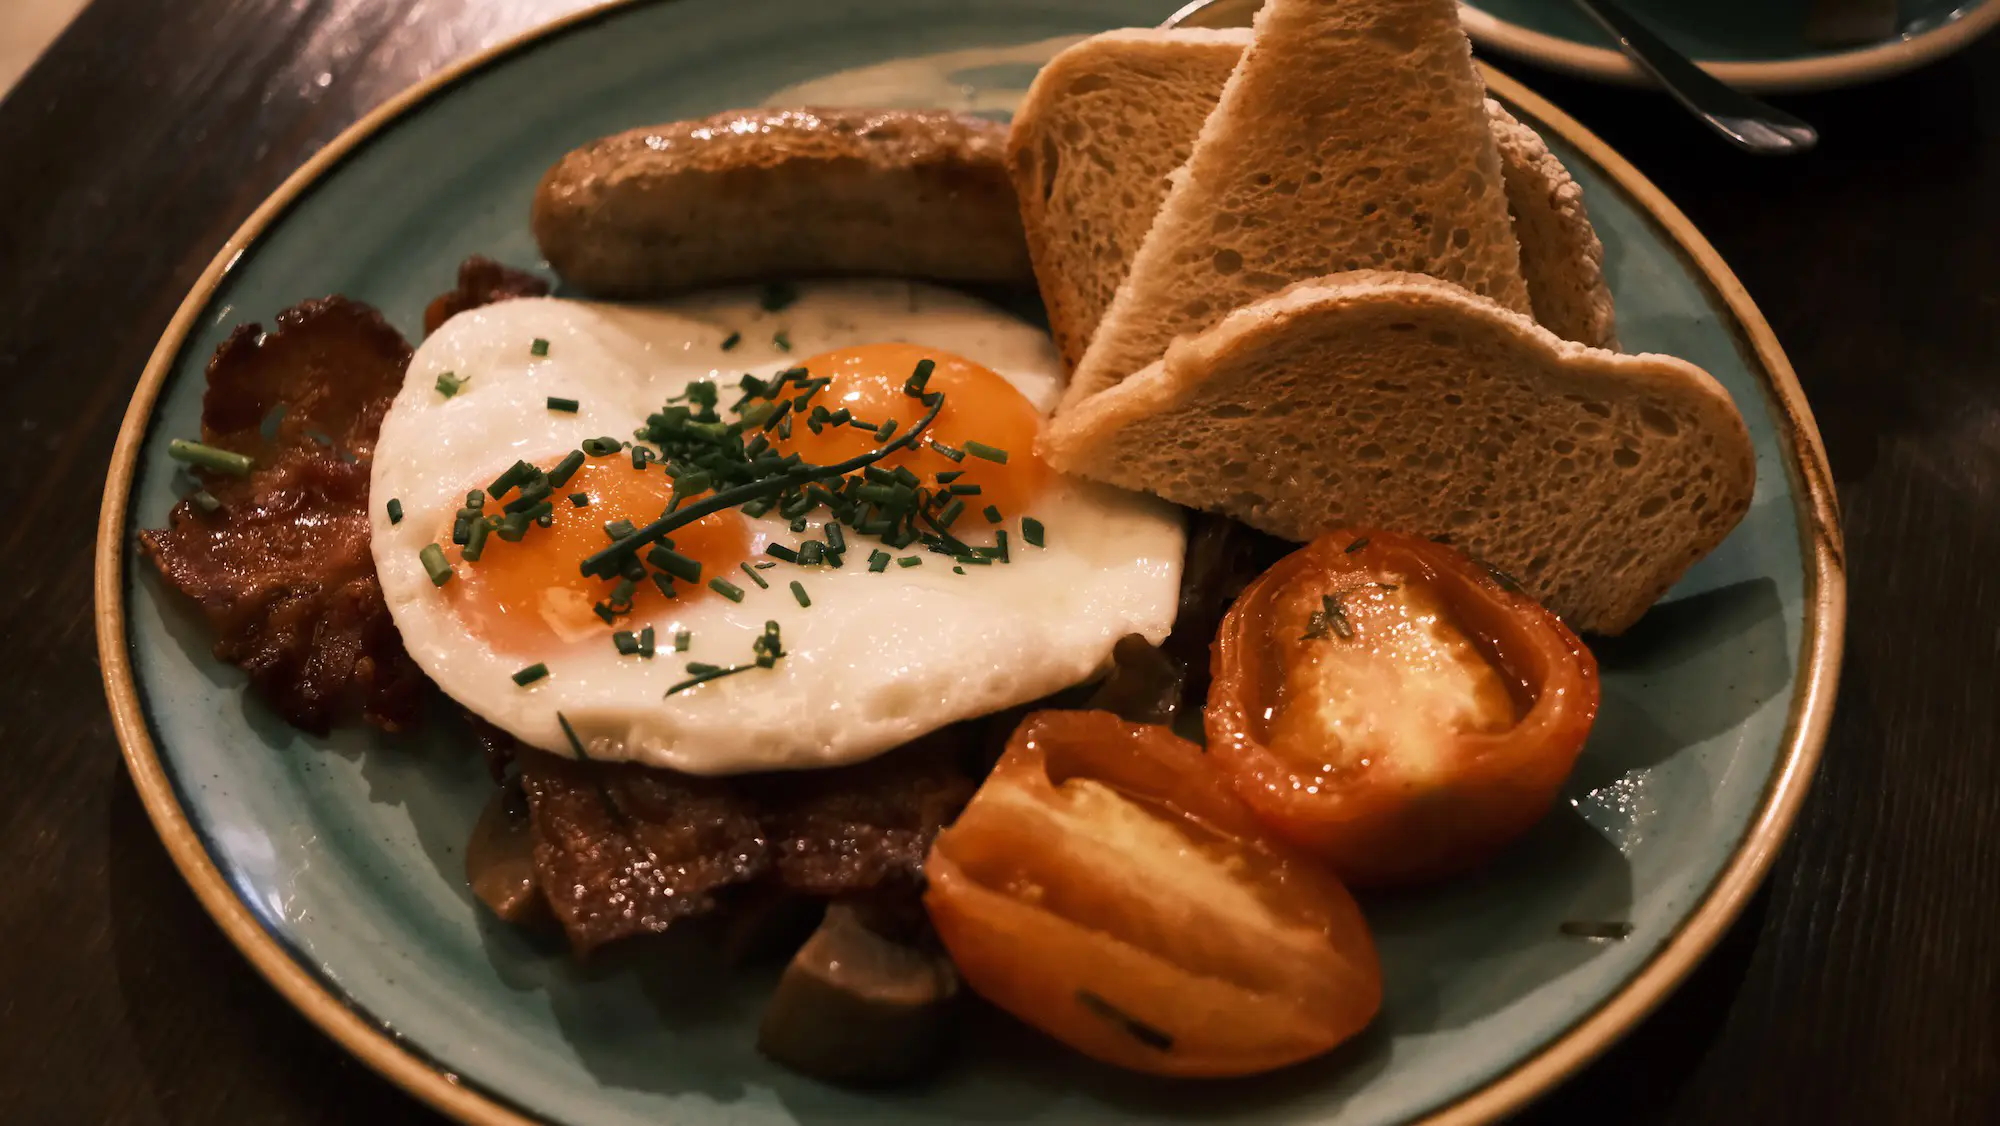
(429, 1080)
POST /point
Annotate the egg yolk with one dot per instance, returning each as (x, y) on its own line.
(979, 407)
(525, 595)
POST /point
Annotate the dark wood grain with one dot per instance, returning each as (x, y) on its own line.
(1863, 985)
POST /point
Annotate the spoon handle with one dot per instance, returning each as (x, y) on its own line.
(1742, 120)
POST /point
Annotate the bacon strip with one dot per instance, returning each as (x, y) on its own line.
(481, 281)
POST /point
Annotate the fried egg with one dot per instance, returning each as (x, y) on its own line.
(876, 651)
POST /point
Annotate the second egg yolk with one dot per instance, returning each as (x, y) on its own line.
(979, 407)
(524, 596)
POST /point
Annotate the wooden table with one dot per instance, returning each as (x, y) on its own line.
(1862, 985)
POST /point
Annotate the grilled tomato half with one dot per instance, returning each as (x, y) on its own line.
(1106, 886)
(1395, 708)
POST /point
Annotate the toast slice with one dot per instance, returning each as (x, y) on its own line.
(1108, 119)
(1350, 136)
(1405, 402)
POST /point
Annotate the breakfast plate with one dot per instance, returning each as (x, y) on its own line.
(335, 863)
(1754, 46)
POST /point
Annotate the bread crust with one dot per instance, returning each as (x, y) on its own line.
(754, 194)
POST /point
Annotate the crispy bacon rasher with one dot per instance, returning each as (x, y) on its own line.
(282, 570)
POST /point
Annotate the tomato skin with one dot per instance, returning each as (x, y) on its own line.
(1375, 825)
(1067, 919)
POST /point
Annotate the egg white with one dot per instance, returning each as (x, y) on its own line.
(877, 660)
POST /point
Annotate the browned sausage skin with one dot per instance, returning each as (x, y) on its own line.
(757, 194)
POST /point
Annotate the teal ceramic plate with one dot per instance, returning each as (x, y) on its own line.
(1754, 44)
(335, 864)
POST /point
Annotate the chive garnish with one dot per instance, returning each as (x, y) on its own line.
(780, 551)
(948, 451)
(626, 642)
(566, 468)
(664, 582)
(448, 384)
(726, 589)
(782, 340)
(951, 513)
(567, 406)
(1602, 931)
(754, 576)
(712, 673)
(475, 540)
(646, 642)
(432, 557)
(1132, 1026)
(619, 529)
(990, 453)
(1032, 531)
(395, 510)
(812, 553)
(540, 347)
(682, 640)
(578, 500)
(575, 744)
(602, 447)
(731, 341)
(992, 513)
(1000, 545)
(958, 570)
(211, 458)
(1357, 545)
(836, 540)
(950, 475)
(962, 489)
(920, 377)
(531, 674)
(799, 593)
(878, 561)
(674, 563)
(509, 477)
(778, 296)
(910, 561)
(883, 431)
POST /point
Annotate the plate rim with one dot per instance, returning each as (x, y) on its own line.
(1824, 71)
(415, 1072)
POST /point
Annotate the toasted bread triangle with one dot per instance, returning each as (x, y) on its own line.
(1109, 118)
(1406, 402)
(1350, 136)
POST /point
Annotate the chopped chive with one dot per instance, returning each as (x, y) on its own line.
(664, 582)
(702, 668)
(682, 639)
(569, 733)
(1000, 545)
(836, 540)
(1357, 545)
(1031, 530)
(448, 384)
(619, 529)
(539, 347)
(958, 570)
(646, 642)
(713, 673)
(948, 451)
(395, 509)
(914, 386)
(432, 557)
(565, 469)
(604, 610)
(992, 514)
(209, 457)
(731, 341)
(951, 513)
(812, 553)
(513, 527)
(578, 500)
(567, 406)
(754, 576)
(626, 642)
(509, 477)
(726, 589)
(206, 502)
(990, 453)
(950, 475)
(764, 565)
(1132, 1026)
(475, 500)
(799, 593)
(910, 561)
(780, 551)
(778, 296)
(475, 541)
(531, 674)
(878, 561)
(602, 447)
(641, 457)
(962, 489)
(674, 563)
(884, 431)
(782, 340)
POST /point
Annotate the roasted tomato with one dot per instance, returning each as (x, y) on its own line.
(1395, 708)
(1106, 887)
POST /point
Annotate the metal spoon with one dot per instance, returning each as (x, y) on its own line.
(1742, 120)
